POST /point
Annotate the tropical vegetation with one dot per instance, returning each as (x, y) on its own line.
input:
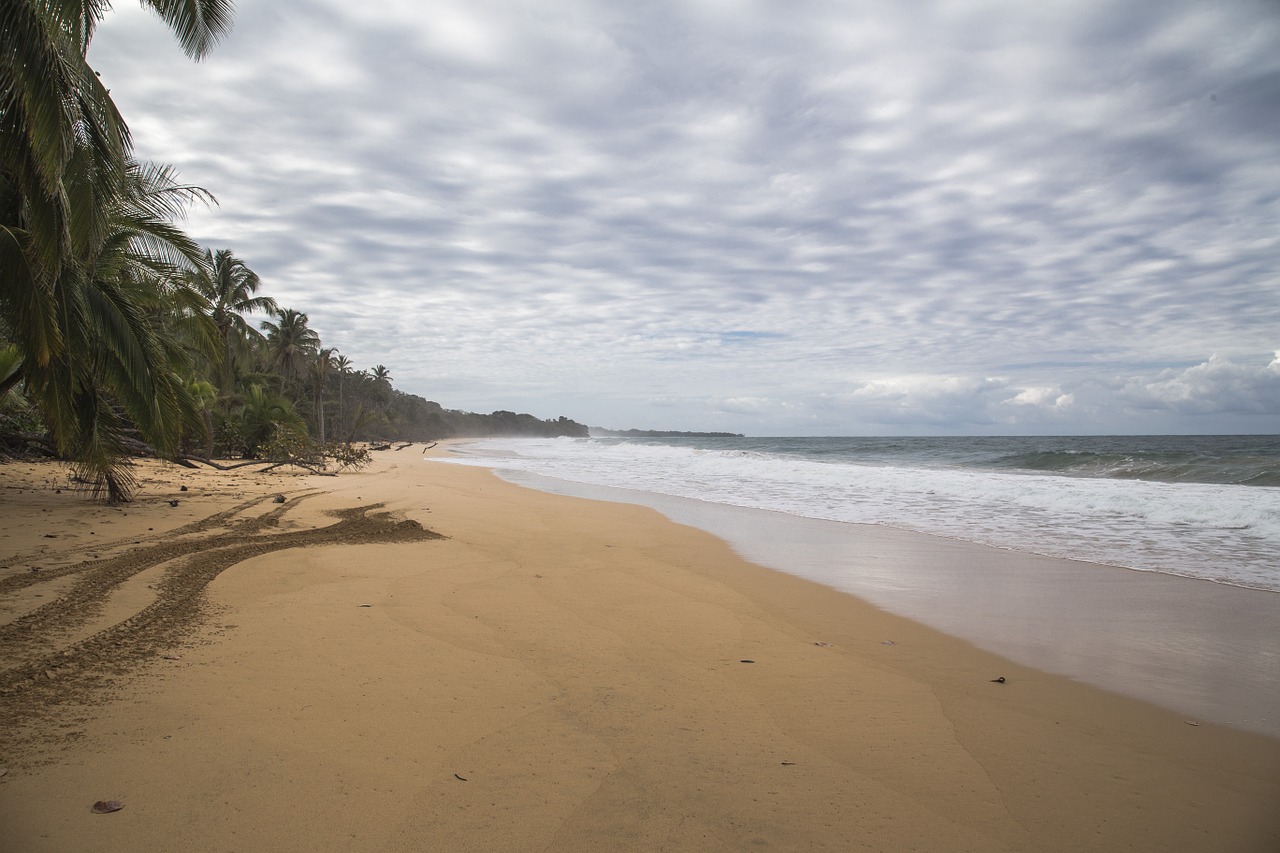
(119, 334)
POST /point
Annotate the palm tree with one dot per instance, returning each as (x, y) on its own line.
(87, 251)
(118, 365)
(205, 396)
(319, 373)
(63, 145)
(382, 374)
(342, 365)
(291, 343)
(262, 415)
(230, 287)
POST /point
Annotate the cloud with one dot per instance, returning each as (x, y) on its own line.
(860, 214)
(1218, 386)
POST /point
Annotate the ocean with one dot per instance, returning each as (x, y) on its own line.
(1199, 506)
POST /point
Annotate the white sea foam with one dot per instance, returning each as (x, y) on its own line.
(1226, 533)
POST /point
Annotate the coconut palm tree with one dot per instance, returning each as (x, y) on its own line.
(291, 343)
(205, 396)
(87, 251)
(230, 288)
(262, 415)
(320, 369)
(342, 365)
(118, 365)
(63, 145)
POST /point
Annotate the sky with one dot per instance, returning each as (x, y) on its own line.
(977, 217)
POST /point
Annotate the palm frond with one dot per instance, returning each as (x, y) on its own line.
(198, 24)
(26, 300)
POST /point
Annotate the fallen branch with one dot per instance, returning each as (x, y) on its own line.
(27, 443)
(302, 465)
(187, 457)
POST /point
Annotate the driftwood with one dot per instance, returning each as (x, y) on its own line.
(267, 462)
(186, 458)
(297, 464)
(406, 444)
(381, 447)
(26, 444)
(14, 444)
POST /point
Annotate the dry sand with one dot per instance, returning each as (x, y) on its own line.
(552, 674)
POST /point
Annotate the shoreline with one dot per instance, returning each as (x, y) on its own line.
(561, 674)
(1205, 649)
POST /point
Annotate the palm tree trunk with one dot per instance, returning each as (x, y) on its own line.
(208, 427)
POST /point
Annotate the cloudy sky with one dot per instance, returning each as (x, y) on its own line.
(788, 217)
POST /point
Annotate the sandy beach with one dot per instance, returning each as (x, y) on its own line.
(420, 656)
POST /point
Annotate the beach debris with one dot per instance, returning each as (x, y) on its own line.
(366, 605)
(462, 778)
(823, 645)
(788, 764)
(279, 499)
(1191, 723)
(888, 643)
(182, 488)
(171, 657)
(173, 502)
(746, 661)
(999, 680)
(106, 806)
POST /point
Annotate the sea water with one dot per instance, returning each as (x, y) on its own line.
(1199, 506)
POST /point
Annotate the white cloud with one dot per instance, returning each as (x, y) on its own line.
(1218, 386)
(808, 217)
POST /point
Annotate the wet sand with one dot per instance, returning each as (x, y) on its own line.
(1204, 649)
(552, 674)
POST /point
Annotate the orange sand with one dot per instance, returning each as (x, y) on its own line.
(555, 674)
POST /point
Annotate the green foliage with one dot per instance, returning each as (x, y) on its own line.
(348, 455)
(88, 251)
(17, 415)
(291, 343)
(288, 443)
(229, 289)
(266, 417)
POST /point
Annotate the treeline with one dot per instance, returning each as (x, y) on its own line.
(411, 418)
(119, 335)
